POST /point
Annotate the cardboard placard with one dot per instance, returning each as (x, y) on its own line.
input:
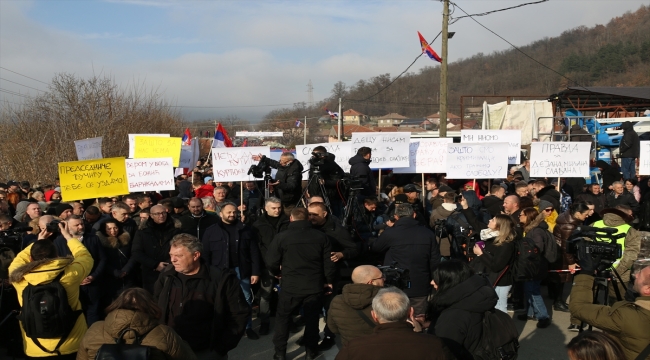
(477, 161)
(89, 149)
(342, 151)
(154, 147)
(426, 156)
(233, 163)
(150, 174)
(512, 137)
(90, 179)
(559, 159)
(132, 142)
(389, 149)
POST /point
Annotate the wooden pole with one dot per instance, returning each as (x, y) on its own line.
(241, 198)
(379, 183)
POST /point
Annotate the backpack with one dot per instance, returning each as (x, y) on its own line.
(46, 313)
(550, 247)
(527, 260)
(499, 340)
(122, 351)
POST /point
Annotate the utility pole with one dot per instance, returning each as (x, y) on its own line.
(442, 129)
(340, 121)
(304, 141)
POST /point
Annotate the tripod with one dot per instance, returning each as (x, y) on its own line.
(315, 179)
(602, 280)
(353, 210)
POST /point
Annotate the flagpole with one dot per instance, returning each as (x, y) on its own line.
(304, 142)
(340, 124)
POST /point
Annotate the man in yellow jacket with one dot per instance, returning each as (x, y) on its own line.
(39, 264)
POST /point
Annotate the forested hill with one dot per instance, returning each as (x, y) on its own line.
(616, 54)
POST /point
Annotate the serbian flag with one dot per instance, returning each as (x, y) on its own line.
(187, 137)
(221, 138)
(332, 114)
(298, 123)
(427, 49)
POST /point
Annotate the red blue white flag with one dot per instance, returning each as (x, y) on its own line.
(221, 138)
(426, 48)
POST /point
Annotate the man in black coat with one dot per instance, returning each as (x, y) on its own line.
(120, 212)
(595, 196)
(198, 220)
(151, 244)
(301, 255)
(288, 180)
(413, 247)
(360, 168)
(629, 149)
(229, 244)
(620, 196)
(272, 221)
(343, 249)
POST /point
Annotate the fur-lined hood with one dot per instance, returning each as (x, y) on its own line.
(145, 224)
(114, 242)
(535, 223)
(48, 269)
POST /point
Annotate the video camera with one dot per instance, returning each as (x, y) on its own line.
(352, 182)
(318, 158)
(395, 276)
(258, 170)
(587, 244)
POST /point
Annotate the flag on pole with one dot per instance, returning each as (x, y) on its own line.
(426, 48)
(221, 138)
(298, 123)
(187, 137)
(333, 115)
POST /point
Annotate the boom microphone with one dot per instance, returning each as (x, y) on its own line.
(591, 229)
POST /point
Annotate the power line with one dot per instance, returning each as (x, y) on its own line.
(516, 48)
(225, 107)
(15, 93)
(13, 82)
(494, 11)
(17, 73)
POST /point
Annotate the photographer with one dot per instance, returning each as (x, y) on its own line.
(628, 322)
(330, 174)
(288, 179)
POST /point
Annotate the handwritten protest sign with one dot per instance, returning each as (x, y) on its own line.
(342, 151)
(93, 179)
(89, 149)
(132, 142)
(232, 164)
(427, 156)
(559, 159)
(512, 137)
(147, 147)
(389, 150)
(150, 174)
(644, 159)
(477, 161)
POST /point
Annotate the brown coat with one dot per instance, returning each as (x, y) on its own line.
(166, 343)
(343, 317)
(395, 341)
(564, 226)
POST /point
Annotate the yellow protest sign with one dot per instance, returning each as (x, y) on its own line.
(93, 179)
(158, 147)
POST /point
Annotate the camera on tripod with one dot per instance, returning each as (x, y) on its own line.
(259, 170)
(394, 276)
(352, 182)
(588, 244)
(317, 158)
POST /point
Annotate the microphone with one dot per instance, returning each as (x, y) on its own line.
(591, 229)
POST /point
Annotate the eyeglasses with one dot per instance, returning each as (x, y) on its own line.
(548, 210)
(158, 214)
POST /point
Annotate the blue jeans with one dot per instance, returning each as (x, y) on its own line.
(534, 301)
(502, 293)
(245, 285)
(628, 168)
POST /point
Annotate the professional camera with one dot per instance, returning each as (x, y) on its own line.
(317, 158)
(53, 226)
(352, 182)
(588, 243)
(12, 238)
(395, 276)
(259, 169)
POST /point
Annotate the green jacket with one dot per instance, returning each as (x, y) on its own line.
(628, 321)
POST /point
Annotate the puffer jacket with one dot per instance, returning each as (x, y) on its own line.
(564, 226)
(22, 272)
(360, 168)
(163, 340)
(343, 317)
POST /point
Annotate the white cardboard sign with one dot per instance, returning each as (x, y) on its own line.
(342, 151)
(89, 149)
(427, 156)
(477, 161)
(132, 141)
(512, 137)
(559, 159)
(389, 149)
(644, 159)
(233, 163)
(156, 174)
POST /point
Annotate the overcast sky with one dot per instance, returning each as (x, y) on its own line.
(240, 53)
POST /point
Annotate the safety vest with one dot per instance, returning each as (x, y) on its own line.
(621, 229)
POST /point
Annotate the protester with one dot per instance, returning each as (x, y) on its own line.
(594, 345)
(38, 264)
(609, 174)
(216, 319)
(393, 337)
(632, 188)
(135, 314)
(360, 169)
(121, 212)
(629, 149)
(120, 263)
(197, 221)
(131, 200)
(620, 196)
(350, 313)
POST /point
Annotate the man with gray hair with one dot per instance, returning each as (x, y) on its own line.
(412, 247)
(215, 315)
(620, 196)
(393, 337)
(288, 180)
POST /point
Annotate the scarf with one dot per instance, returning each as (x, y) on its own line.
(489, 234)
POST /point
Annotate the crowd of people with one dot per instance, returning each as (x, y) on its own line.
(183, 272)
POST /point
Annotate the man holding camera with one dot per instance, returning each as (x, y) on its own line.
(288, 180)
(628, 321)
(330, 173)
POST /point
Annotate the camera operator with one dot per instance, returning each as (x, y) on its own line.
(627, 321)
(619, 218)
(330, 174)
(360, 168)
(288, 179)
